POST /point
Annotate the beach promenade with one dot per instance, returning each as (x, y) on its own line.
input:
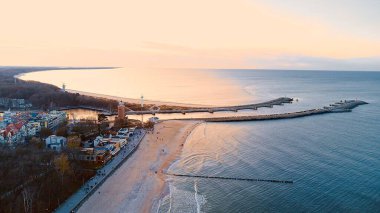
(79, 197)
(140, 182)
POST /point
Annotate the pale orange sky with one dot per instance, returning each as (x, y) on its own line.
(179, 34)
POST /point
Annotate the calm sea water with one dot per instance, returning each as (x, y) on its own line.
(333, 159)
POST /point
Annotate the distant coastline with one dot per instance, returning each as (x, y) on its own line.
(136, 101)
(22, 72)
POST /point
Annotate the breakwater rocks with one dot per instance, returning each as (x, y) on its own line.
(231, 178)
(342, 106)
(270, 104)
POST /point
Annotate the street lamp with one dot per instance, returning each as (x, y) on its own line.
(142, 106)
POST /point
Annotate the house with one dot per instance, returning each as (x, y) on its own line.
(2, 136)
(110, 148)
(55, 142)
(50, 120)
(14, 103)
(153, 119)
(123, 133)
(12, 134)
(21, 128)
(33, 128)
(117, 142)
(55, 118)
(94, 156)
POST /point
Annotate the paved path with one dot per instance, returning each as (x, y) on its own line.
(76, 200)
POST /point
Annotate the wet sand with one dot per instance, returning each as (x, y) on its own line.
(139, 183)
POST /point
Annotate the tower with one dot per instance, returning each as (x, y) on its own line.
(63, 87)
(121, 110)
(142, 107)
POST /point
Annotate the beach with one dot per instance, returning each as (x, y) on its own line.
(138, 101)
(139, 183)
(328, 157)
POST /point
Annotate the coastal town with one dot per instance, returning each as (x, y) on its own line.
(52, 161)
(18, 127)
(87, 146)
(101, 146)
(189, 106)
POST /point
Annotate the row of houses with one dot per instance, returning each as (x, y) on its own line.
(16, 126)
(14, 103)
(102, 149)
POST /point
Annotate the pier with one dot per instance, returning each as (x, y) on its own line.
(231, 178)
(342, 106)
(279, 101)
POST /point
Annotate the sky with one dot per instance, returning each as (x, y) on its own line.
(262, 34)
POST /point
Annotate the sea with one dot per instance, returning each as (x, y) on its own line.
(332, 159)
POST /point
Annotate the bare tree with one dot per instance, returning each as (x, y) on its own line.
(62, 164)
(27, 196)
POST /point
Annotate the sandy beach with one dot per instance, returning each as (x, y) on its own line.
(139, 183)
(138, 101)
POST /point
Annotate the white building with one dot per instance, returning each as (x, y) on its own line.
(116, 141)
(123, 133)
(55, 118)
(55, 142)
(33, 128)
(154, 119)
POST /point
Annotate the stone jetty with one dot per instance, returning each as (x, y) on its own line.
(342, 106)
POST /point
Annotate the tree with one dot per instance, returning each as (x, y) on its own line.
(36, 142)
(62, 131)
(120, 123)
(149, 124)
(102, 117)
(45, 132)
(27, 196)
(62, 165)
(73, 141)
(103, 127)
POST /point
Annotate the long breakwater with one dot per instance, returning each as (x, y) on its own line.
(231, 178)
(342, 106)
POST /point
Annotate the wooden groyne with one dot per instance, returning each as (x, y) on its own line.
(270, 104)
(231, 178)
(343, 106)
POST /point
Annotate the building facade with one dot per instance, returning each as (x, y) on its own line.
(56, 143)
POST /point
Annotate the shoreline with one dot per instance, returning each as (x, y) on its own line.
(135, 100)
(140, 183)
(167, 164)
(97, 95)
